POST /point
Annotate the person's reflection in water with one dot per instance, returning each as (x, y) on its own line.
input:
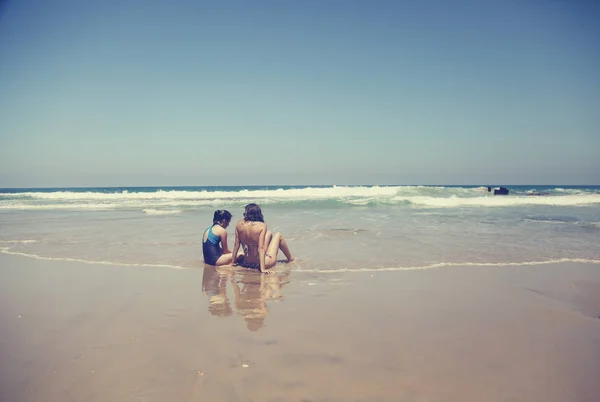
(252, 290)
(214, 286)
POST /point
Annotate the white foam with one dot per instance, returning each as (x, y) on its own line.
(176, 198)
(501, 201)
(113, 263)
(423, 196)
(6, 250)
(107, 206)
(449, 264)
(567, 190)
(296, 193)
(161, 211)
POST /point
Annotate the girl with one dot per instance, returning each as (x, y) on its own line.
(213, 237)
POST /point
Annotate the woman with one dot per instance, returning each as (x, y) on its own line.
(213, 237)
(251, 295)
(260, 246)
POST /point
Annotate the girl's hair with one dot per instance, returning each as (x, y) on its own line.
(253, 213)
(220, 215)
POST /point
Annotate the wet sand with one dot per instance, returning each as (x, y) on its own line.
(79, 332)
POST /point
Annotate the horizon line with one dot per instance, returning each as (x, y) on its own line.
(301, 185)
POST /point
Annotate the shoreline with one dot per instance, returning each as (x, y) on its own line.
(200, 264)
(101, 332)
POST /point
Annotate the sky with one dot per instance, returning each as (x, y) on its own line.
(142, 93)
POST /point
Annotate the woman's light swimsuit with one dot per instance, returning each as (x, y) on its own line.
(247, 264)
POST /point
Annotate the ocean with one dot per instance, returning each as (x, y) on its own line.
(330, 229)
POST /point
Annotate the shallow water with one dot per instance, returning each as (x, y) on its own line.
(329, 229)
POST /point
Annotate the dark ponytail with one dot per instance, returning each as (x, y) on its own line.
(220, 215)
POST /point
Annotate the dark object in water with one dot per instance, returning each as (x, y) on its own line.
(498, 190)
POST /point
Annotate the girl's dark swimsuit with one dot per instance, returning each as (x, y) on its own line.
(211, 248)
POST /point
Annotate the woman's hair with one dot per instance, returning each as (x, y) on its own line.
(220, 215)
(253, 213)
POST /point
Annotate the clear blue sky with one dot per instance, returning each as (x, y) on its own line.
(106, 93)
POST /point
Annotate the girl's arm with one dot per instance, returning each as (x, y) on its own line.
(224, 242)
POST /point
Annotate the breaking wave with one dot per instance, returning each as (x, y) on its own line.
(165, 201)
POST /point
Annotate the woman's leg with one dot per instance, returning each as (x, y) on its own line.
(277, 242)
(268, 238)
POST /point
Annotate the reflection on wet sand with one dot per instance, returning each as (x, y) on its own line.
(251, 292)
(214, 286)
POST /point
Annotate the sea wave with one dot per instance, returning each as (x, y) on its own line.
(418, 196)
(69, 206)
(152, 211)
(500, 201)
(293, 193)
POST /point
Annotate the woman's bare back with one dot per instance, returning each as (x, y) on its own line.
(249, 234)
(260, 246)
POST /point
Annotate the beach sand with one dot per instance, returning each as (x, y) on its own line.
(80, 332)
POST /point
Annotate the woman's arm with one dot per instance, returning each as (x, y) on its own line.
(236, 247)
(262, 248)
